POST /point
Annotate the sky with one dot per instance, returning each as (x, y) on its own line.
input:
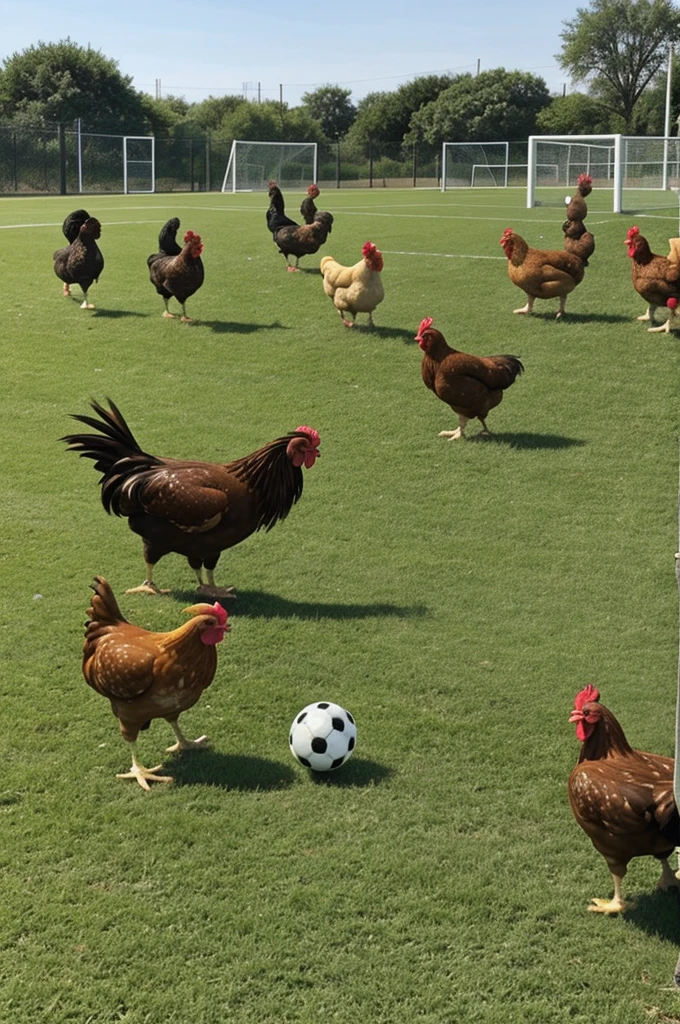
(198, 48)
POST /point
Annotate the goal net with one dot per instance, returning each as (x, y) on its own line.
(631, 174)
(475, 165)
(252, 165)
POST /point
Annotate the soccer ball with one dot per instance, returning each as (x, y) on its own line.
(322, 736)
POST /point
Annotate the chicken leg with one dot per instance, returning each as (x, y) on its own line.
(182, 742)
(148, 586)
(613, 906)
(141, 774)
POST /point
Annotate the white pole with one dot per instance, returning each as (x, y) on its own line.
(618, 174)
(80, 158)
(667, 119)
(531, 172)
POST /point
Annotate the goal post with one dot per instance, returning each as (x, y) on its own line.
(475, 165)
(252, 165)
(641, 172)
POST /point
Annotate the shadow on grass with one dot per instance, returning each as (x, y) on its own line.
(356, 773)
(581, 318)
(532, 441)
(658, 914)
(234, 327)
(229, 771)
(257, 604)
(116, 314)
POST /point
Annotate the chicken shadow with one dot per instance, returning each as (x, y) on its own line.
(258, 604)
(526, 441)
(235, 327)
(116, 314)
(657, 913)
(229, 771)
(581, 318)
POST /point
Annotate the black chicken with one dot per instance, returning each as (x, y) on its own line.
(81, 262)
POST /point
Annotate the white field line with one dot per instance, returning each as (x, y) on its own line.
(443, 255)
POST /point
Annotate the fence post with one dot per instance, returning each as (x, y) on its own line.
(207, 162)
(370, 163)
(337, 164)
(14, 162)
(62, 159)
(191, 163)
(415, 164)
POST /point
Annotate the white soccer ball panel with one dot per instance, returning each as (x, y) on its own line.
(318, 722)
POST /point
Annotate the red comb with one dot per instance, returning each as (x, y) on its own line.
(585, 179)
(590, 693)
(632, 232)
(672, 303)
(221, 613)
(424, 324)
(192, 236)
(311, 433)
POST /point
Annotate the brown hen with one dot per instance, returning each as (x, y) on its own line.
(541, 273)
(622, 798)
(471, 385)
(150, 675)
(655, 278)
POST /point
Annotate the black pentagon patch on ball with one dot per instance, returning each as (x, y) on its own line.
(338, 761)
(338, 724)
(323, 705)
(350, 717)
(350, 745)
(290, 739)
(302, 717)
(319, 745)
(304, 761)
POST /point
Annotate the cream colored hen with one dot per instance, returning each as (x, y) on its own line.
(357, 289)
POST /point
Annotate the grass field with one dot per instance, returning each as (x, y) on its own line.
(453, 596)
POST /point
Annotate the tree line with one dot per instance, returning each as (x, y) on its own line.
(616, 50)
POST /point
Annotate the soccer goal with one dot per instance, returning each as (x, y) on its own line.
(639, 174)
(475, 165)
(252, 165)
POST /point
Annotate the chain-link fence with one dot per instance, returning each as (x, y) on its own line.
(57, 161)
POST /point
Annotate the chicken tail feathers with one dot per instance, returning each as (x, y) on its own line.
(73, 223)
(114, 450)
(167, 239)
(104, 610)
(511, 367)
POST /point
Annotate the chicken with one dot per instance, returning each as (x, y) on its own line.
(541, 273)
(577, 240)
(81, 262)
(176, 271)
(577, 208)
(196, 509)
(308, 206)
(471, 385)
(150, 675)
(294, 239)
(655, 278)
(622, 798)
(356, 289)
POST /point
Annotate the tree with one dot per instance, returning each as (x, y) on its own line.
(269, 122)
(386, 116)
(497, 104)
(60, 82)
(331, 106)
(211, 113)
(620, 45)
(577, 114)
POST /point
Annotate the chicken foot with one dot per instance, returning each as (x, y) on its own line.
(669, 879)
(613, 906)
(529, 306)
(649, 315)
(210, 588)
(148, 586)
(143, 775)
(182, 742)
(454, 435)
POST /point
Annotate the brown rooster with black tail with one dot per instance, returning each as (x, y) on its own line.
(196, 509)
(471, 385)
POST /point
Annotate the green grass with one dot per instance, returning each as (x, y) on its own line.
(454, 596)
